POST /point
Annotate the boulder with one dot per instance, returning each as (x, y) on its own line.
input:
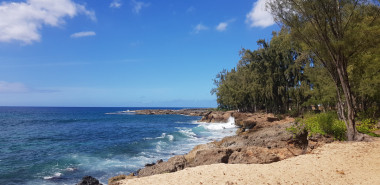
(211, 156)
(173, 164)
(252, 155)
(191, 155)
(216, 117)
(88, 180)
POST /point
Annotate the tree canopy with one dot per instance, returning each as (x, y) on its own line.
(326, 54)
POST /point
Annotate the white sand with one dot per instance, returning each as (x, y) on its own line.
(336, 163)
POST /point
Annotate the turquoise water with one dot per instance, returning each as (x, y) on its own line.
(43, 145)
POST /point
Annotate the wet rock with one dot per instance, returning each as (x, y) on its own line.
(149, 164)
(240, 130)
(88, 180)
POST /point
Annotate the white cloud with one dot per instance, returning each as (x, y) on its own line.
(22, 21)
(222, 26)
(200, 27)
(259, 16)
(12, 87)
(115, 4)
(138, 5)
(83, 34)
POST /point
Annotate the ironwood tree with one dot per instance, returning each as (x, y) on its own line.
(336, 32)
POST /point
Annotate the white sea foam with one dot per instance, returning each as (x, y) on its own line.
(188, 132)
(219, 126)
(162, 136)
(56, 175)
(170, 137)
(71, 169)
(181, 122)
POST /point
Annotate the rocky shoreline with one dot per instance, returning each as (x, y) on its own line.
(188, 112)
(261, 138)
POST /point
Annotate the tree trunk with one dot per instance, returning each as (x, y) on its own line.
(350, 122)
(339, 105)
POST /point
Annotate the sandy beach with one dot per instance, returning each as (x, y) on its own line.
(334, 163)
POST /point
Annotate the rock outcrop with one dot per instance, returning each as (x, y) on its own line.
(262, 138)
(189, 112)
(173, 164)
(88, 180)
(269, 143)
(216, 116)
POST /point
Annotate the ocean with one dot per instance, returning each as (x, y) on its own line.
(60, 145)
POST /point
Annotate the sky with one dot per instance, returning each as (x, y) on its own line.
(123, 53)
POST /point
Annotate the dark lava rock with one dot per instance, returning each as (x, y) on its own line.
(88, 180)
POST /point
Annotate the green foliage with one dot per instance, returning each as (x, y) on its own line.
(293, 113)
(297, 129)
(326, 55)
(367, 126)
(340, 34)
(268, 78)
(369, 113)
(325, 124)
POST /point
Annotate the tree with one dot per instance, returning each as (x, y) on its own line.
(267, 78)
(336, 32)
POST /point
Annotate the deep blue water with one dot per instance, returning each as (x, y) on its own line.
(44, 145)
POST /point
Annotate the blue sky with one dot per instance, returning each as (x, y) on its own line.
(122, 52)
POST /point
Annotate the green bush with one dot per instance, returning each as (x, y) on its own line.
(370, 113)
(329, 124)
(297, 129)
(366, 126)
(293, 113)
(325, 124)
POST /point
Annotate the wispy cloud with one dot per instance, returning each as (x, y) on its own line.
(200, 27)
(138, 5)
(222, 26)
(83, 34)
(13, 87)
(22, 21)
(115, 4)
(259, 16)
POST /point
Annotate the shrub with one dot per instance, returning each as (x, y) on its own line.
(325, 124)
(329, 124)
(366, 126)
(297, 129)
(369, 113)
